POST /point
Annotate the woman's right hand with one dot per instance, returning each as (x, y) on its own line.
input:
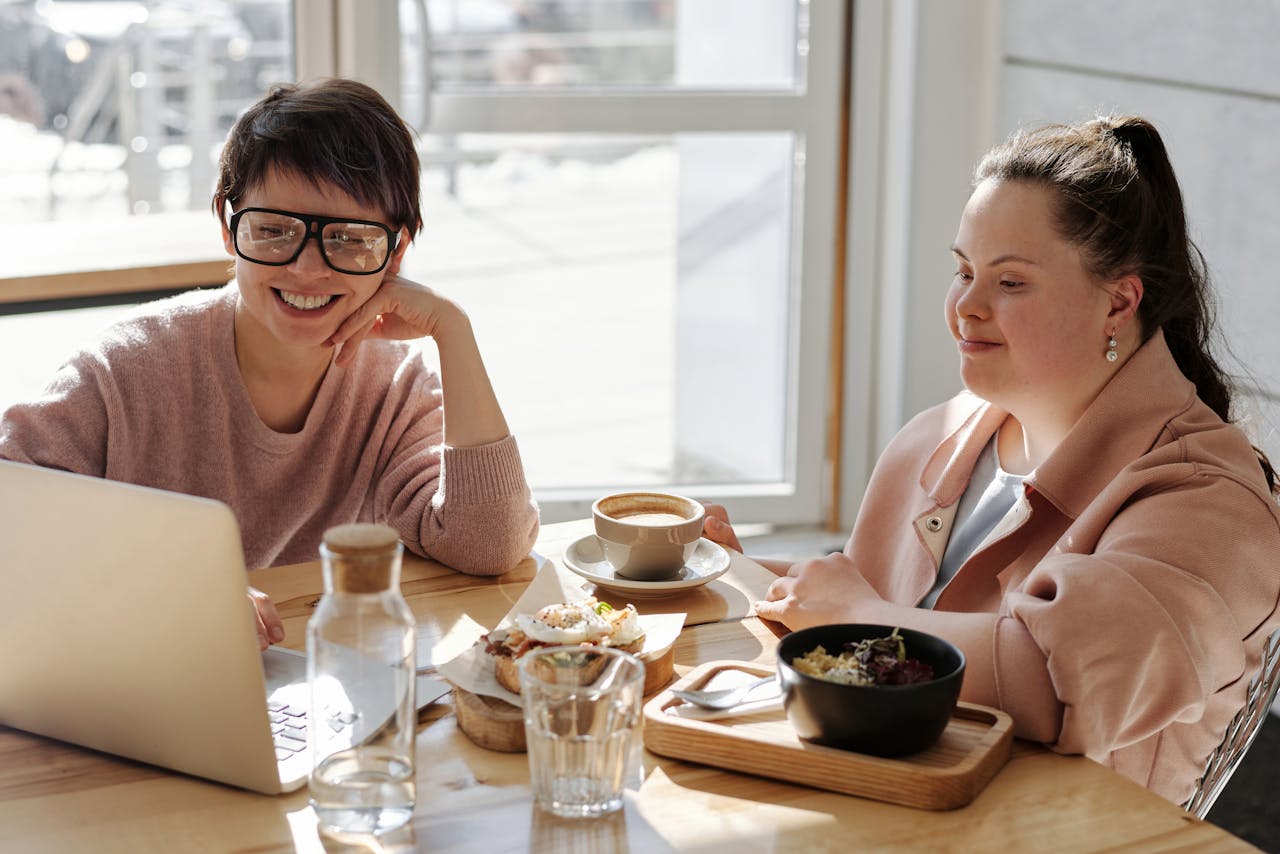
(717, 528)
(270, 626)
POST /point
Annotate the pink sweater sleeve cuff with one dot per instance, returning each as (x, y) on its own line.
(484, 473)
(1023, 685)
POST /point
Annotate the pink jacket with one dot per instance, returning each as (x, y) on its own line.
(1130, 589)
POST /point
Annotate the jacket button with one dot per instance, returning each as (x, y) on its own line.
(933, 523)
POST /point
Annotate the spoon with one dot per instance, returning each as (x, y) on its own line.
(724, 698)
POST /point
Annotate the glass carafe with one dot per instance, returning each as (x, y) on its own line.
(361, 673)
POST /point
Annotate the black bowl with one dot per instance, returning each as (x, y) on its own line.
(882, 720)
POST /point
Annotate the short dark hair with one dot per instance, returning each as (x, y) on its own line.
(333, 131)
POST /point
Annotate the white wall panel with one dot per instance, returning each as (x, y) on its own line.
(1230, 44)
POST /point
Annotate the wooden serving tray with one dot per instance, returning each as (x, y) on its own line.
(974, 746)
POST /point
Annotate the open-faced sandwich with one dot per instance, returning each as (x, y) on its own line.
(587, 623)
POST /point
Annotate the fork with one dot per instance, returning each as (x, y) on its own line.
(724, 698)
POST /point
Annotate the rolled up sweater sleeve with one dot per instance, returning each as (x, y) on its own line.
(483, 520)
(1144, 630)
(469, 508)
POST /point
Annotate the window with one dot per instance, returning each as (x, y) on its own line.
(636, 201)
(115, 108)
(112, 115)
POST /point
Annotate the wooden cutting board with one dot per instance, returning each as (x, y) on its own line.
(972, 749)
(489, 722)
(498, 725)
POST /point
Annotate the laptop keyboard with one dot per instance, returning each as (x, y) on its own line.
(288, 728)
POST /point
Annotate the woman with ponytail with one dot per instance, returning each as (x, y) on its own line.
(1084, 521)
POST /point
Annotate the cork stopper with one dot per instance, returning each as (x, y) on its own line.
(364, 557)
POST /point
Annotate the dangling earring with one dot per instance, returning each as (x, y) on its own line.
(1112, 355)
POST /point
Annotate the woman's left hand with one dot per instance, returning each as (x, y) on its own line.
(817, 592)
(402, 309)
(399, 309)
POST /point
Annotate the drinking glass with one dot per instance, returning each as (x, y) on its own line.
(582, 726)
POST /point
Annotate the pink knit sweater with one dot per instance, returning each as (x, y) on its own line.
(159, 401)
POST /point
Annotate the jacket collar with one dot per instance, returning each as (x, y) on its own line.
(947, 472)
(1123, 422)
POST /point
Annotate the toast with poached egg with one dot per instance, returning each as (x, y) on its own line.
(587, 623)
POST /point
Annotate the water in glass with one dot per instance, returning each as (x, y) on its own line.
(581, 738)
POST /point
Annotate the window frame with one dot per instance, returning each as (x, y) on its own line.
(332, 39)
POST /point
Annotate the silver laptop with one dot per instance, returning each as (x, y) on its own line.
(124, 626)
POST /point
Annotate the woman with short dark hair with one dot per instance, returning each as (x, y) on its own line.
(291, 394)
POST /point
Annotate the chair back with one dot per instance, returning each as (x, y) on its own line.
(1240, 732)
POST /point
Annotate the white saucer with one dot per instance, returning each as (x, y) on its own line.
(584, 557)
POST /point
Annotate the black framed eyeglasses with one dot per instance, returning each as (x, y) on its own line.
(276, 238)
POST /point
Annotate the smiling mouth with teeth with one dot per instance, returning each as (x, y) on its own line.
(304, 302)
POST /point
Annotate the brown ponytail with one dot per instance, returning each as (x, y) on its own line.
(1118, 200)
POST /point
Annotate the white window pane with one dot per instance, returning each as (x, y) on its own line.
(483, 44)
(109, 108)
(623, 289)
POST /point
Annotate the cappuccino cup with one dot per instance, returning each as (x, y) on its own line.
(647, 536)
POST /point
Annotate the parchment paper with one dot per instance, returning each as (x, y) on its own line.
(472, 670)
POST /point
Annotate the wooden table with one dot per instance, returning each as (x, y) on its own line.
(56, 797)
